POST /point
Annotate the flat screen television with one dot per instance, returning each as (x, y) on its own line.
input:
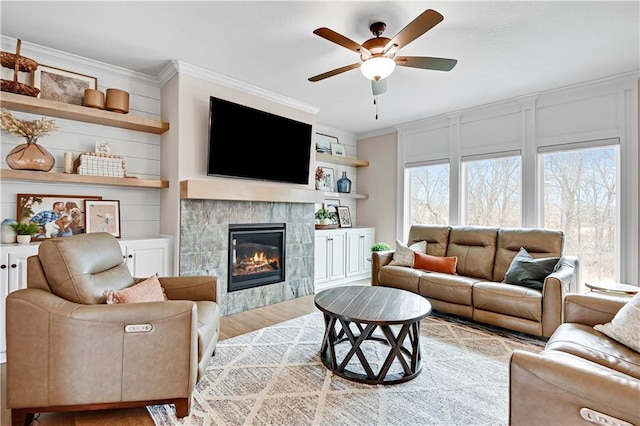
(245, 142)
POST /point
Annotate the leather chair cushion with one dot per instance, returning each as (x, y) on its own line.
(400, 277)
(436, 236)
(585, 342)
(475, 249)
(507, 299)
(451, 288)
(76, 274)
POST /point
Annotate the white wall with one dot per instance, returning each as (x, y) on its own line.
(139, 208)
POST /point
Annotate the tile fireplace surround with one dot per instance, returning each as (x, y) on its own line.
(204, 226)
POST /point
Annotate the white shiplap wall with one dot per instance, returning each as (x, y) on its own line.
(139, 208)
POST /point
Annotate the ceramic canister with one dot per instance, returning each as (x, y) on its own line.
(118, 101)
(93, 99)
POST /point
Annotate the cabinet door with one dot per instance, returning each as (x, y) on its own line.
(354, 253)
(147, 257)
(337, 245)
(367, 238)
(321, 258)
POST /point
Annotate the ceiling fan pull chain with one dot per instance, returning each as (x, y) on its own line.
(375, 102)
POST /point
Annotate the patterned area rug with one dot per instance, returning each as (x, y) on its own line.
(274, 376)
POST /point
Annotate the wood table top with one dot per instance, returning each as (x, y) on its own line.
(373, 304)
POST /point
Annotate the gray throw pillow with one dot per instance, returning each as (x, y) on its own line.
(529, 272)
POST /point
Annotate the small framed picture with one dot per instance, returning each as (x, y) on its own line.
(62, 86)
(103, 216)
(56, 215)
(325, 182)
(331, 205)
(344, 217)
(338, 150)
(323, 143)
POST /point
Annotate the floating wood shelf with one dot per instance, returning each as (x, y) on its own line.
(328, 158)
(50, 177)
(342, 195)
(80, 113)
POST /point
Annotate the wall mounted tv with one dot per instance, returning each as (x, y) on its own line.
(248, 143)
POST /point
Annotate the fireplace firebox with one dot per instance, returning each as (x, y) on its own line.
(256, 255)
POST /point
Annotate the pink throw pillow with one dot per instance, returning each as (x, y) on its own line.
(148, 290)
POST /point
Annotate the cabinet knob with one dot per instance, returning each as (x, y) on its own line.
(3, 266)
(13, 265)
(130, 256)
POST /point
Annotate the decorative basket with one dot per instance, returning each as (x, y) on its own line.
(18, 63)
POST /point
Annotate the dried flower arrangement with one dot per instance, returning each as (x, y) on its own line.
(31, 130)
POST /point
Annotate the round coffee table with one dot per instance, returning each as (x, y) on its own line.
(353, 313)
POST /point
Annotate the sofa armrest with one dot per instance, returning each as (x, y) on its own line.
(378, 260)
(556, 285)
(591, 309)
(201, 287)
(50, 339)
(552, 388)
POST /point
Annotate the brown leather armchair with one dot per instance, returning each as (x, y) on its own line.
(582, 377)
(67, 350)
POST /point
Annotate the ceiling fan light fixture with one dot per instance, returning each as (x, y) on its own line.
(377, 68)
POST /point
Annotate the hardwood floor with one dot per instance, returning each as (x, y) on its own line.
(230, 326)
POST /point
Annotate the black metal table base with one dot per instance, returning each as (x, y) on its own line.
(409, 356)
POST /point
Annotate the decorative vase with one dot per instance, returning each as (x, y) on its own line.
(344, 184)
(30, 156)
(8, 233)
(24, 239)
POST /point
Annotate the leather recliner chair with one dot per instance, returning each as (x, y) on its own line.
(67, 350)
(582, 376)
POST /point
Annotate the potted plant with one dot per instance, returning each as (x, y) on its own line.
(325, 217)
(380, 247)
(25, 231)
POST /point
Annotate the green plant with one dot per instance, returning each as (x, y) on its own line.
(26, 228)
(380, 247)
(325, 214)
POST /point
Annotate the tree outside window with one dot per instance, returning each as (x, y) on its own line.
(429, 194)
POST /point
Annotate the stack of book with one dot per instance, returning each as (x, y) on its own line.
(100, 164)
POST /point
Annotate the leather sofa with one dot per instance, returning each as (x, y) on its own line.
(582, 376)
(476, 291)
(68, 350)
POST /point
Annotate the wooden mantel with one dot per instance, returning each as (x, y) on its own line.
(233, 190)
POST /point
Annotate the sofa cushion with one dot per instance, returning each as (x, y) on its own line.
(538, 242)
(436, 236)
(475, 248)
(625, 326)
(400, 277)
(451, 288)
(507, 299)
(446, 265)
(585, 342)
(529, 272)
(403, 255)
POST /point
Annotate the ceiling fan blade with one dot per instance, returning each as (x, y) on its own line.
(341, 40)
(425, 62)
(379, 87)
(334, 72)
(414, 29)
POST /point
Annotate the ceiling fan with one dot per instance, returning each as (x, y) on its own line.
(378, 54)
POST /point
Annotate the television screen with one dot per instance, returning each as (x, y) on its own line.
(248, 143)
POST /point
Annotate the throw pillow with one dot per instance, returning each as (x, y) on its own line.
(403, 256)
(529, 272)
(624, 327)
(148, 290)
(446, 265)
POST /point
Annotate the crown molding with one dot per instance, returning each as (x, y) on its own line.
(179, 67)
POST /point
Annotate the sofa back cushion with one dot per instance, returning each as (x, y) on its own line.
(537, 242)
(81, 267)
(436, 236)
(475, 248)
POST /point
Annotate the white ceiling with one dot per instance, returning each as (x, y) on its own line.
(504, 48)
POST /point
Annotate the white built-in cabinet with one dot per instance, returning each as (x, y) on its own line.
(143, 256)
(342, 255)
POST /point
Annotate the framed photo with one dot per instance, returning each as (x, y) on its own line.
(344, 217)
(57, 215)
(326, 183)
(103, 216)
(324, 142)
(63, 86)
(331, 205)
(338, 150)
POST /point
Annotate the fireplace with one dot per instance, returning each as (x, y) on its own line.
(256, 255)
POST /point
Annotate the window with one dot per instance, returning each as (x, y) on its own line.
(429, 192)
(491, 194)
(580, 199)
